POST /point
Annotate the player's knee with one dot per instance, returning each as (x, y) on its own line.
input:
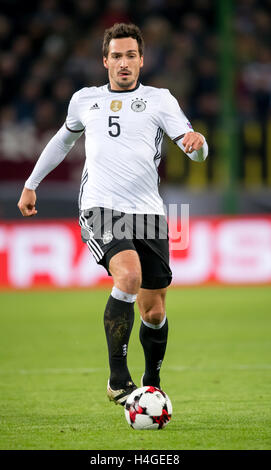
(129, 281)
(154, 315)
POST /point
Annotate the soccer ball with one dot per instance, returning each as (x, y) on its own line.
(148, 408)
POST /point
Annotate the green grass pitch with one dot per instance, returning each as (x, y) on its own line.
(54, 370)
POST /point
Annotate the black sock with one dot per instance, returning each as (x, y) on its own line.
(118, 324)
(154, 342)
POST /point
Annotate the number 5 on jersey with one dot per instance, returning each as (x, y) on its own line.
(115, 131)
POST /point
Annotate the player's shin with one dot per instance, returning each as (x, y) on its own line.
(118, 324)
(154, 342)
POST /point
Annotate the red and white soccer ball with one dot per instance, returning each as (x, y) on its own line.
(148, 408)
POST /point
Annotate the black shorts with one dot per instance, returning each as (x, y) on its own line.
(107, 232)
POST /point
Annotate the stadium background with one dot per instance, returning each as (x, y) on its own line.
(216, 60)
(215, 57)
(52, 49)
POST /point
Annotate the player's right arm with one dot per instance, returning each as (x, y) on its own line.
(52, 155)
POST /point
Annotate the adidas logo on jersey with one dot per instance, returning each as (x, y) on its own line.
(95, 106)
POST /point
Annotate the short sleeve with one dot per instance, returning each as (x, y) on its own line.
(171, 118)
(73, 122)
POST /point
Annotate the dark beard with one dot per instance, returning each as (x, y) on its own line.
(127, 84)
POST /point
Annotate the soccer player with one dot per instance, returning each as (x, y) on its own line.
(124, 122)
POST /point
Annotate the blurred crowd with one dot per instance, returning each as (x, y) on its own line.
(52, 48)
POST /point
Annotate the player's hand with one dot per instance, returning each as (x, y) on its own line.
(27, 202)
(192, 141)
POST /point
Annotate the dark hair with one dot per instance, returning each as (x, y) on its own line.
(123, 30)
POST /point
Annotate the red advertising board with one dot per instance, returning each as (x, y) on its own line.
(220, 250)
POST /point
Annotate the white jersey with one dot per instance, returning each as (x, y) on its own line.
(123, 138)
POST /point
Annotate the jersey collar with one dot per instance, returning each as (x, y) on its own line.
(123, 91)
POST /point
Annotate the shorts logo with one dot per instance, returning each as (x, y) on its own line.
(107, 237)
(138, 105)
(115, 105)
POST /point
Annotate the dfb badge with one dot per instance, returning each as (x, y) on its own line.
(138, 105)
(107, 237)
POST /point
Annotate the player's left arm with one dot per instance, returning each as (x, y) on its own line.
(194, 145)
(172, 119)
